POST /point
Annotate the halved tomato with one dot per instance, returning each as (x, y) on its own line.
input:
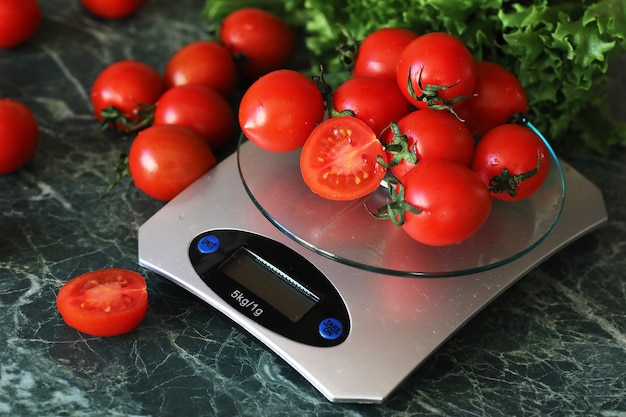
(339, 160)
(107, 302)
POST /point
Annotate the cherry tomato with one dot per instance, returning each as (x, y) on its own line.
(379, 52)
(262, 41)
(164, 160)
(440, 69)
(19, 135)
(498, 95)
(125, 87)
(512, 161)
(339, 160)
(452, 200)
(112, 9)
(107, 302)
(280, 109)
(377, 101)
(432, 134)
(199, 108)
(20, 19)
(202, 62)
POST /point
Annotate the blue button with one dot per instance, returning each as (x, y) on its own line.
(330, 329)
(208, 244)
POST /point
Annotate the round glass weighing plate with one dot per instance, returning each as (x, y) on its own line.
(347, 233)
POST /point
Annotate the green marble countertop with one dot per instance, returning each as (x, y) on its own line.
(553, 344)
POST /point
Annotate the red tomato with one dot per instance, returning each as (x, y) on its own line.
(512, 161)
(433, 134)
(263, 41)
(112, 9)
(199, 108)
(125, 87)
(435, 60)
(377, 101)
(280, 109)
(339, 160)
(498, 95)
(379, 52)
(164, 160)
(453, 203)
(202, 62)
(108, 302)
(19, 135)
(20, 19)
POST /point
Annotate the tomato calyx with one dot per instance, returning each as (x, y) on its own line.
(327, 94)
(399, 149)
(122, 171)
(142, 116)
(429, 93)
(507, 182)
(396, 206)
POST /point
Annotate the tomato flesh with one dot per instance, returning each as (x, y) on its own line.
(107, 302)
(339, 159)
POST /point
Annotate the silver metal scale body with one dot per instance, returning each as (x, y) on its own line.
(401, 300)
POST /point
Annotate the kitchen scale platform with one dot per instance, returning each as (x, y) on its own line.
(351, 302)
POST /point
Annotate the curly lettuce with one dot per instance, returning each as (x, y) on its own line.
(560, 50)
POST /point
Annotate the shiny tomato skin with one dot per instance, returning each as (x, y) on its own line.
(433, 134)
(498, 95)
(202, 62)
(199, 108)
(165, 159)
(280, 109)
(106, 302)
(443, 61)
(516, 148)
(379, 52)
(112, 9)
(19, 135)
(339, 160)
(454, 203)
(263, 41)
(125, 85)
(374, 100)
(20, 20)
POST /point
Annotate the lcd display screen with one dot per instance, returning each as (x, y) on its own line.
(269, 283)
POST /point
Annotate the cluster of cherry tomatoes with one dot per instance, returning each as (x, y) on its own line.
(419, 113)
(184, 115)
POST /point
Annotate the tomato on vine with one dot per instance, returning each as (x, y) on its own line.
(199, 108)
(166, 159)
(260, 41)
(123, 92)
(340, 159)
(20, 20)
(512, 161)
(428, 134)
(112, 9)
(436, 70)
(438, 203)
(498, 95)
(280, 109)
(379, 51)
(19, 135)
(202, 62)
(374, 100)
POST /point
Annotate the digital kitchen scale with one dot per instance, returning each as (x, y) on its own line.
(349, 301)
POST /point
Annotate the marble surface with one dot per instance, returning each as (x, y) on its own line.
(553, 344)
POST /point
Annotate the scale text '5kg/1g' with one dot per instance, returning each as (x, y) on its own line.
(247, 303)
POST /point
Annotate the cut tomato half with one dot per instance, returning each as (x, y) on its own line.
(107, 302)
(339, 160)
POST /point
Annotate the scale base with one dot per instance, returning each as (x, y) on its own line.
(396, 322)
